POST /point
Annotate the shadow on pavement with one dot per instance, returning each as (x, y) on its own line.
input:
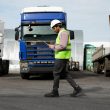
(46, 76)
(83, 74)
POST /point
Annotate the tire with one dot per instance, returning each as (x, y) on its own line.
(1, 67)
(106, 70)
(107, 74)
(5, 67)
(1, 73)
(24, 75)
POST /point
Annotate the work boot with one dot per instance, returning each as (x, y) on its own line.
(77, 92)
(52, 94)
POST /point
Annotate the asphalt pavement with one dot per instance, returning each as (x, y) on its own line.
(19, 94)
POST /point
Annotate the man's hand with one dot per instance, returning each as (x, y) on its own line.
(51, 46)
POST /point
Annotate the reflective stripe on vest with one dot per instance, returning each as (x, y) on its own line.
(64, 54)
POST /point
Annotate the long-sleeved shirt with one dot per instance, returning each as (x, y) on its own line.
(63, 41)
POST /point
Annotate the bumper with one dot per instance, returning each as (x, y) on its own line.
(37, 70)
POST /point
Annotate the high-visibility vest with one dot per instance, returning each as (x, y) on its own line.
(63, 54)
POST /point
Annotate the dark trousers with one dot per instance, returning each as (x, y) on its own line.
(60, 68)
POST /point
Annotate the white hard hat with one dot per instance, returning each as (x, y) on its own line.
(54, 22)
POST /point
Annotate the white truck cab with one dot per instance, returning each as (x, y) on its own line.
(4, 63)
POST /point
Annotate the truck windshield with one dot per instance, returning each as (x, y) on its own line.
(38, 33)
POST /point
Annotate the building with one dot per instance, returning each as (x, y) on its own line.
(88, 51)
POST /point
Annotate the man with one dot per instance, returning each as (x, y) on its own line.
(62, 50)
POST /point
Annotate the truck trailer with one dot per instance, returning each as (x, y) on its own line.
(101, 60)
(4, 62)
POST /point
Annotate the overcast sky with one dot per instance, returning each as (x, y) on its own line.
(91, 16)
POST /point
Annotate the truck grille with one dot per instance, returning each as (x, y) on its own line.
(39, 53)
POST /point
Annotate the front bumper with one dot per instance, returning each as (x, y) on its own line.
(36, 70)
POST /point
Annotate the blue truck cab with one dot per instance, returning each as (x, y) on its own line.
(33, 35)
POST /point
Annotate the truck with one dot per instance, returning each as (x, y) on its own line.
(33, 34)
(101, 60)
(4, 63)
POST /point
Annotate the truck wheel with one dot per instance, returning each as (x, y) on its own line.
(5, 66)
(1, 70)
(1, 67)
(24, 75)
(107, 73)
(106, 68)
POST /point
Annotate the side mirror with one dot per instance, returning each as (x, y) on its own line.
(71, 34)
(16, 34)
